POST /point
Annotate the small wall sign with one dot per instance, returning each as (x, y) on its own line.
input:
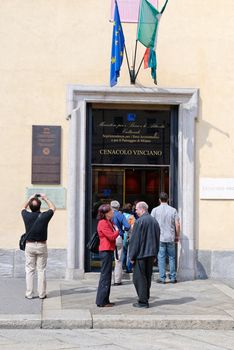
(216, 188)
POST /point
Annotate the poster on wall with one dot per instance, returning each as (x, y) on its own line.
(46, 154)
(126, 137)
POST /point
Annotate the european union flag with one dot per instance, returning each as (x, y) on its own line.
(131, 117)
(117, 48)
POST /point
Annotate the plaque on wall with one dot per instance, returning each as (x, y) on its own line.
(56, 194)
(130, 137)
(46, 154)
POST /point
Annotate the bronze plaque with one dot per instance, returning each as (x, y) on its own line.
(46, 154)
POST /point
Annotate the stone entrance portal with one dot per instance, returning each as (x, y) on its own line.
(187, 102)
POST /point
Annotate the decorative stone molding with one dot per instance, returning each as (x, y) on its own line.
(187, 101)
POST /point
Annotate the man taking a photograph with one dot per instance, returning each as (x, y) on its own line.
(36, 223)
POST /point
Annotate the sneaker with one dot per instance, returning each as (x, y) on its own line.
(29, 298)
(161, 281)
(45, 296)
(118, 283)
(174, 281)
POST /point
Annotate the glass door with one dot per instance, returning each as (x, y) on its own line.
(107, 185)
(145, 185)
(126, 185)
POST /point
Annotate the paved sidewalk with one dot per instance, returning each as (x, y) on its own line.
(200, 304)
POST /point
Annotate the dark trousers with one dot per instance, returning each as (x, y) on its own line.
(142, 274)
(104, 285)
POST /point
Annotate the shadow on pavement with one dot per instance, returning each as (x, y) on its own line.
(179, 301)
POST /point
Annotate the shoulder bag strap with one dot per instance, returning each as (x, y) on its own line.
(111, 225)
(32, 226)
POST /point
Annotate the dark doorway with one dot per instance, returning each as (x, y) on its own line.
(131, 156)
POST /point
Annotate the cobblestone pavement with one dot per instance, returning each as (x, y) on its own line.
(116, 339)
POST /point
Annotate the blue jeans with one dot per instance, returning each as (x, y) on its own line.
(167, 249)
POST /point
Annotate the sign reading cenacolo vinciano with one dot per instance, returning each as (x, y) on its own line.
(130, 137)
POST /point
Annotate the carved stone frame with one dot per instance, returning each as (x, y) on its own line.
(187, 101)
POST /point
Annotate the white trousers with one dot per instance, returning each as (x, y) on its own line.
(36, 259)
(118, 272)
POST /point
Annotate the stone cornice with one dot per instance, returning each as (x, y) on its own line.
(135, 95)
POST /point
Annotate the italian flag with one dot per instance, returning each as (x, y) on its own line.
(151, 62)
(147, 30)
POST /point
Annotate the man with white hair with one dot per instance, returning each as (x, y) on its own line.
(143, 248)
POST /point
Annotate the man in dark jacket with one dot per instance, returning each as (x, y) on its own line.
(143, 248)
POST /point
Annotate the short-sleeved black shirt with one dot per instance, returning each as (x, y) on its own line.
(39, 232)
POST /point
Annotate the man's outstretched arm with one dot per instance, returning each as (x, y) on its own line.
(48, 202)
(25, 205)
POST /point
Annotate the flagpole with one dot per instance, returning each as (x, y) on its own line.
(164, 7)
(139, 67)
(127, 62)
(133, 76)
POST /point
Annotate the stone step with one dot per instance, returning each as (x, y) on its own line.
(82, 319)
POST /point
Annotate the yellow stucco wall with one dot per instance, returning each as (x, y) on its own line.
(47, 44)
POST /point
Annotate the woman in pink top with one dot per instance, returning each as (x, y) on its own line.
(107, 233)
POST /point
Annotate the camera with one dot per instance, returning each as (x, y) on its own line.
(37, 195)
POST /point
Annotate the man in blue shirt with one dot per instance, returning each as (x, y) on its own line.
(121, 222)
